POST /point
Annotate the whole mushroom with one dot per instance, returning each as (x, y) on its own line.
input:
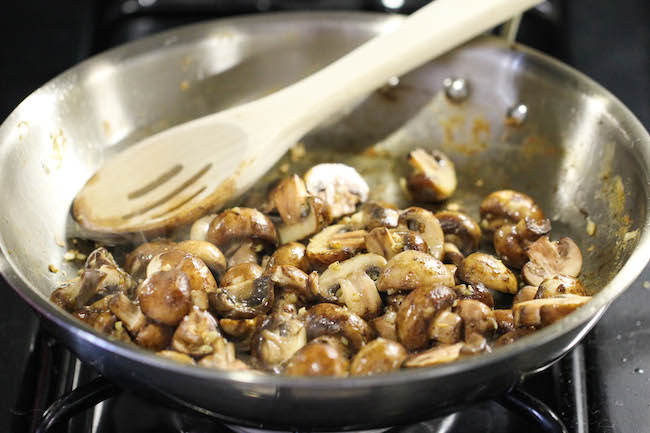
(425, 223)
(165, 296)
(460, 229)
(318, 359)
(377, 357)
(411, 270)
(479, 268)
(507, 207)
(337, 321)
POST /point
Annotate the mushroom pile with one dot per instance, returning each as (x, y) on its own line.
(317, 280)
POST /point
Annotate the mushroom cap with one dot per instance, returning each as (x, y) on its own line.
(505, 321)
(551, 258)
(292, 253)
(507, 206)
(200, 227)
(244, 300)
(543, 312)
(138, 259)
(335, 243)
(240, 224)
(375, 214)
(446, 328)
(290, 278)
(460, 229)
(207, 252)
(165, 296)
(526, 293)
(377, 357)
(240, 273)
(315, 217)
(330, 280)
(195, 333)
(388, 243)
(560, 285)
(418, 310)
(154, 336)
(318, 359)
(339, 185)
(288, 198)
(440, 354)
(489, 271)
(424, 222)
(478, 293)
(277, 338)
(176, 356)
(337, 321)
(434, 176)
(385, 325)
(512, 336)
(508, 246)
(477, 318)
(410, 270)
(201, 278)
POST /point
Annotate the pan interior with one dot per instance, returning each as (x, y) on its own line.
(572, 154)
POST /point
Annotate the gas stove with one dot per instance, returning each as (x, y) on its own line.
(603, 385)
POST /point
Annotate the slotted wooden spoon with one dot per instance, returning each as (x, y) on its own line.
(176, 176)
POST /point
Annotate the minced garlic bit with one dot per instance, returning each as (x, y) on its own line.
(453, 207)
(646, 284)
(479, 183)
(73, 254)
(58, 241)
(284, 168)
(591, 227)
(52, 269)
(297, 152)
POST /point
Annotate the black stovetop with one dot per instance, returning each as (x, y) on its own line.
(602, 386)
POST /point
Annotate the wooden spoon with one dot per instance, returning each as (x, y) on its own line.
(180, 174)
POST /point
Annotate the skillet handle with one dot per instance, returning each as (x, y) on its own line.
(75, 401)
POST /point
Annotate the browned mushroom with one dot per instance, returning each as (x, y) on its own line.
(424, 223)
(377, 357)
(138, 259)
(335, 243)
(200, 227)
(418, 310)
(526, 293)
(222, 357)
(315, 217)
(511, 240)
(240, 273)
(240, 329)
(388, 243)
(292, 253)
(165, 296)
(512, 336)
(318, 359)
(560, 285)
(507, 207)
(413, 269)
(460, 229)
(334, 320)
(289, 198)
(339, 185)
(277, 338)
(551, 258)
(434, 176)
(440, 354)
(246, 252)
(154, 336)
(244, 300)
(287, 277)
(236, 226)
(446, 327)
(543, 312)
(207, 253)
(477, 317)
(385, 325)
(477, 292)
(489, 271)
(375, 214)
(452, 254)
(195, 333)
(505, 321)
(176, 356)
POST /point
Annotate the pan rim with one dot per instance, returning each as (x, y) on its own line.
(626, 275)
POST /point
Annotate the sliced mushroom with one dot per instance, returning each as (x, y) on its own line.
(434, 176)
(560, 285)
(165, 296)
(289, 198)
(318, 359)
(292, 253)
(234, 226)
(375, 214)
(489, 271)
(154, 336)
(460, 229)
(246, 252)
(240, 329)
(291, 278)
(446, 328)
(388, 243)
(505, 321)
(222, 357)
(200, 227)
(478, 292)
(512, 336)
(101, 321)
(452, 254)
(543, 312)
(244, 300)
(278, 337)
(335, 243)
(440, 354)
(510, 241)
(240, 273)
(337, 321)
(413, 269)
(128, 312)
(196, 333)
(418, 310)
(287, 301)
(339, 185)
(377, 357)
(352, 283)
(477, 317)
(526, 293)
(208, 253)
(316, 217)
(385, 325)
(507, 207)
(551, 258)
(424, 223)
(138, 259)
(176, 356)
(474, 344)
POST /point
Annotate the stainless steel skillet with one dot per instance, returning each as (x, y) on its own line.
(580, 153)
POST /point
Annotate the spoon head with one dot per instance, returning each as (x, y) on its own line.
(165, 181)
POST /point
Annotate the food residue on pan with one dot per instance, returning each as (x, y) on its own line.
(23, 129)
(184, 85)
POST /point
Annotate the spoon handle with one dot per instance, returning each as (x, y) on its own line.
(429, 32)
